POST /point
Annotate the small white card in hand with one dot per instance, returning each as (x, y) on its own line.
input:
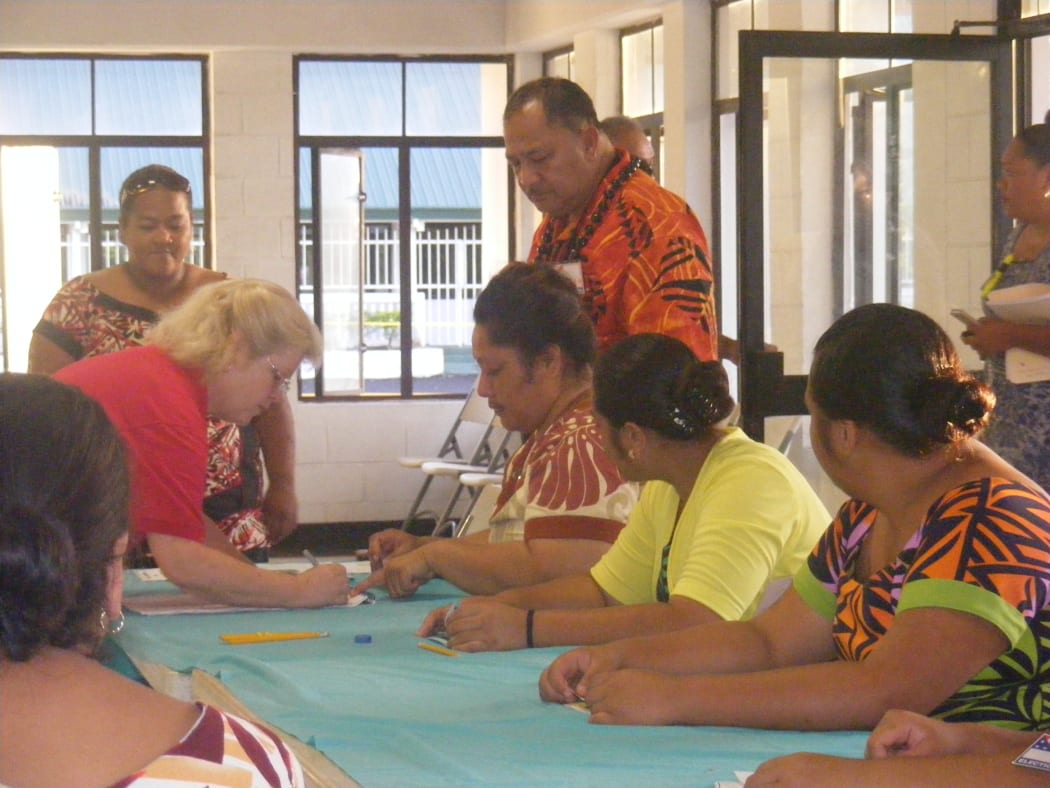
(1037, 756)
(741, 778)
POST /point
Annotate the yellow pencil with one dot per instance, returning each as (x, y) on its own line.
(439, 650)
(268, 637)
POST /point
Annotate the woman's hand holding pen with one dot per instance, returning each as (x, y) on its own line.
(326, 584)
(478, 624)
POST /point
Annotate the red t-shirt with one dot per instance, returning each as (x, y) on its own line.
(160, 410)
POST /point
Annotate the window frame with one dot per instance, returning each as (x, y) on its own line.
(95, 143)
(404, 144)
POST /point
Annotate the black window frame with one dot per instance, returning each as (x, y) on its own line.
(404, 144)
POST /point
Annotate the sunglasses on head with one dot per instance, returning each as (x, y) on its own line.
(153, 179)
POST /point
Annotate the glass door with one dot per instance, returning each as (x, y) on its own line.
(866, 166)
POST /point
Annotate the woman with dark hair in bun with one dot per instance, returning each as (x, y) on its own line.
(720, 518)
(929, 591)
(65, 720)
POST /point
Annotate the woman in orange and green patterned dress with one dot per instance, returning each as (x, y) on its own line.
(929, 591)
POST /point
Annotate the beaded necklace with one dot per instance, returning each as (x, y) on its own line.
(545, 253)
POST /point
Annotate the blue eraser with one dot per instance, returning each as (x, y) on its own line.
(362, 638)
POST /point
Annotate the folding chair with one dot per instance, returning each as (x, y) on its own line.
(476, 441)
(471, 480)
(484, 489)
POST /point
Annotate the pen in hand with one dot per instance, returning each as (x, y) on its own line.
(311, 558)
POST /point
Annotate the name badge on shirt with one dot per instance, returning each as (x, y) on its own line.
(573, 269)
(1037, 756)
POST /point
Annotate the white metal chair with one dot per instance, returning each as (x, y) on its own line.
(475, 442)
(484, 489)
(471, 481)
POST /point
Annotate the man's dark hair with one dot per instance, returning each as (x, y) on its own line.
(564, 102)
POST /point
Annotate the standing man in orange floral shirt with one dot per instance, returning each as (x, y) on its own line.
(637, 252)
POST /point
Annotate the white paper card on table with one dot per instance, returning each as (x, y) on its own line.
(294, 567)
(741, 778)
(1037, 756)
(180, 603)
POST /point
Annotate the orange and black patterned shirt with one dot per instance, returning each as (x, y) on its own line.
(984, 549)
(644, 261)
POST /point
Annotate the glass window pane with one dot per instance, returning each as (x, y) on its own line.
(1039, 67)
(658, 68)
(32, 242)
(360, 98)
(449, 267)
(558, 65)
(731, 20)
(636, 62)
(446, 99)
(864, 16)
(148, 97)
(45, 96)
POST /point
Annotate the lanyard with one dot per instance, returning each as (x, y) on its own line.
(995, 278)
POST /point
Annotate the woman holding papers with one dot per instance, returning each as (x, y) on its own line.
(720, 519)
(1020, 429)
(228, 351)
(928, 592)
(65, 719)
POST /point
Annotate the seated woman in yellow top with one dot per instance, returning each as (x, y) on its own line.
(720, 517)
(928, 592)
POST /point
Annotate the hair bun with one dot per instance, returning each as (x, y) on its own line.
(37, 584)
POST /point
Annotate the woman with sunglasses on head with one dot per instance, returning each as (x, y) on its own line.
(112, 309)
(228, 351)
(721, 518)
(65, 720)
(928, 592)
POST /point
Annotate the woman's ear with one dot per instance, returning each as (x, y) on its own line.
(633, 439)
(115, 579)
(846, 435)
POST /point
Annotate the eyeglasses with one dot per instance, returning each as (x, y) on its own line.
(279, 380)
(153, 178)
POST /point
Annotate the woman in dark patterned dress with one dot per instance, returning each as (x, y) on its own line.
(1020, 429)
(109, 310)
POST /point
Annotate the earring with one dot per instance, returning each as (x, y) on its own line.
(110, 627)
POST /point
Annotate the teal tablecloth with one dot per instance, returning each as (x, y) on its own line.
(391, 714)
